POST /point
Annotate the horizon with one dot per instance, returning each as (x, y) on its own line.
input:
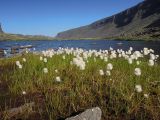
(47, 17)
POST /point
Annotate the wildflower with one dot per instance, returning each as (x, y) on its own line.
(17, 63)
(146, 51)
(101, 72)
(151, 63)
(108, 73)
(130, 61)
(146, 95)
(152, 57)
(24, 59)
(109, 66)
(58, 79)
(105, 59)
(56, 71)
(24, 92)
(110, 48)
(119, 55)
(131, 48)
(82, 67)
(45, 70)
(27, 51)
(41, 58)
(137, 71)
(138, 88)
(79, 62)
(45, 60)
(20, 66)
(138, 62)
(64, 57)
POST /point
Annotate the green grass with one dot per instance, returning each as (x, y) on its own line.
(79, 90)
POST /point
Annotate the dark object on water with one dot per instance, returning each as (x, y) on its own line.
(120, 43)
(14, 50)
(27, 46)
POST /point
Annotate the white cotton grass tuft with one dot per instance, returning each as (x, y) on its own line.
(56, 71)
(45, 70)
(151, 63)
(137, 62)
(130, 61)
(63, 57)
(152, 57)
(137, 71)
(24, 92)
(109, 66)
(58, 79)
(101, 72)
(108, 73)
(106, 59)
(79, 62)
(146, 95)
(24, 59)
(40, 58)
(45, 60)
(19, 64)
(138, 88)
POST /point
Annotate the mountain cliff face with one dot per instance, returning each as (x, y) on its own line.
(141, 21)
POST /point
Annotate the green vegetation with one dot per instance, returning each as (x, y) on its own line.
(80, 89)
(6, 36)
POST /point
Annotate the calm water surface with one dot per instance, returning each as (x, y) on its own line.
(85, 44)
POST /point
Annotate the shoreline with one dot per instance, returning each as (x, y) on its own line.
(109, 39)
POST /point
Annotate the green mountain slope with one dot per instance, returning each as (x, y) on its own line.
(139, 22)
(6, 36)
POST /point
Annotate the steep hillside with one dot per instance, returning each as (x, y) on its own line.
(139, 22)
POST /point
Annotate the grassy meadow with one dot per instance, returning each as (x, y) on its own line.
(60, 88)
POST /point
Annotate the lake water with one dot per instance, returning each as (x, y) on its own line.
(85, 44)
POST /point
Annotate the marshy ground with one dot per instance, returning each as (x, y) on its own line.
(125, 85)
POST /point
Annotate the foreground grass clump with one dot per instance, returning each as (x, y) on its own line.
(125, 85)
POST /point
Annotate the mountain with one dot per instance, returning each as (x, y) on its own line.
(9, 36)
(139, 22)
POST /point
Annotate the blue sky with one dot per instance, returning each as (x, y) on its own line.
(48, 17)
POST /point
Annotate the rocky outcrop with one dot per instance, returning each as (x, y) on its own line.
(89, 114)
(19, 111)
(128, 23)
(1, 31)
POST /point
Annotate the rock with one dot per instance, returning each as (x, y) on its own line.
(89, 114)
(14, 112)
(1, 31)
